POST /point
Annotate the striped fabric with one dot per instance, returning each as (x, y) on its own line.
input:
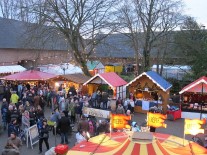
(122, 144)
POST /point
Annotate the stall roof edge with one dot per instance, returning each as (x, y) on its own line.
(111, 78)
(156, 78)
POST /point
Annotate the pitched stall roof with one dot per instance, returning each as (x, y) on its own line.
(196, 86)
(30, 75)
(110, 78)
(156, 78)
(77, 78)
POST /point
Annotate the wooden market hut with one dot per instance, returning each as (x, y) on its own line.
(77, 80)
(149, 89)
(112, 80)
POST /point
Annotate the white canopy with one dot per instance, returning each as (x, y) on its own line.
(59, 69)
(11, 69)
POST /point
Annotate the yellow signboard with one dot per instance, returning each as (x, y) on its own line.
(119, 121)
(193, 127)
(156, 120)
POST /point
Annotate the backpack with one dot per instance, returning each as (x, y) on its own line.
(91, 127)
(40, 124)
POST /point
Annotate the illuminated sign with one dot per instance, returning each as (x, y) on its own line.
(120, 121)
(156, 120)
(193, 127)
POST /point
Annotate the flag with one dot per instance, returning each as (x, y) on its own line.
(193, 126)
(156, 120)
(119, 121)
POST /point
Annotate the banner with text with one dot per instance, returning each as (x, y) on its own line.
(119, 121)
(193, 126)
(156, 120)
(96, 112)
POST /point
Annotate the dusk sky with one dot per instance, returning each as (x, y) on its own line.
(197, 9)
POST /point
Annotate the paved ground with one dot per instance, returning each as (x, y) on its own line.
(173, 127)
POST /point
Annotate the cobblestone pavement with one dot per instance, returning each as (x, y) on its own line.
(175, 128)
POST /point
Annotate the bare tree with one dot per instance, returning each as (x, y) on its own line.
(153, 18)
(7, 8)
(79, 21)
(130, 24)
(16, 9)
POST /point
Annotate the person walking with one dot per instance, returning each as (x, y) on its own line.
(25, 120)
(14, 140)
(4, 111)
(64, 126)
(14, 98)
(71, 111)
(105, 100)
(10, 149)
(13, 127)
(83, 124)
(43, 135)
(62, 102)
(120, 109)
(78, 111)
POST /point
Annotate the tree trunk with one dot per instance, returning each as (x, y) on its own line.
(85, 70)
(146, 60)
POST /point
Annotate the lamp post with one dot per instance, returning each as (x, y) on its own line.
(64, 67)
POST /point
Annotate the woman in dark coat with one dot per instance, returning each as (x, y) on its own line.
(44, 135)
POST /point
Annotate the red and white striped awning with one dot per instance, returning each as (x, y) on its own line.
(122, 144)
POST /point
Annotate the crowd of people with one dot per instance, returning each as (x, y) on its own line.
(24, 106)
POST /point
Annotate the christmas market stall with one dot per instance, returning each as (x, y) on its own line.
(109, 82)
(149, 89)
(194, 99)
(74, 80)
(137, 143)
(31, 77)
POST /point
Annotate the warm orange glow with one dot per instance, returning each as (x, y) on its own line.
(120, 121)
(193, 127)
(156, 120)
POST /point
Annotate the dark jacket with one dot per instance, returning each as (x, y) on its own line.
(44, 132)
(4, 111)
(32, 118)
(39, 114)
(78, 109)
(15, 115)
(64, 124)
(13, 128)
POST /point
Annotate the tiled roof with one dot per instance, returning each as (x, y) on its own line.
(120, 46)
(22, 35)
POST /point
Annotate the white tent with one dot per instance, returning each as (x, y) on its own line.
(176, 71)
(11, 69)
(60, 69)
